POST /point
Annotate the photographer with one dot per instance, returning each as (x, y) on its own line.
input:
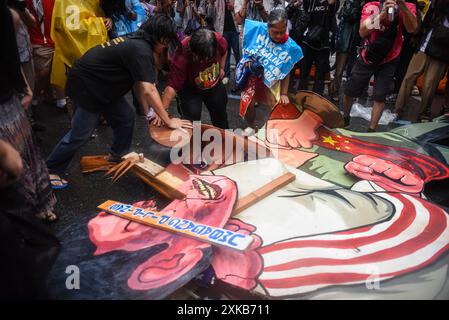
(256, 10)
(431, 60)
(316, 41)
(382, 32)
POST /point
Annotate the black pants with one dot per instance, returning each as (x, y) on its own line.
(321, 60)
(215, 100)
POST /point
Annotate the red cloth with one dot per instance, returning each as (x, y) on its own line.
(374, 7)
(36, 35)
(184, 71)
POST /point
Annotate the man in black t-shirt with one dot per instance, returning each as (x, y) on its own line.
(97, 84)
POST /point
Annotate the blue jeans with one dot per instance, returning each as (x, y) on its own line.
(119, 115)
(233, 43)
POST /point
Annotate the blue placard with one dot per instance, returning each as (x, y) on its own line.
(277, 59)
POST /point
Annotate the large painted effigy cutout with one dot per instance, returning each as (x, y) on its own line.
(119, 259)
(354, 224)
(359, 220)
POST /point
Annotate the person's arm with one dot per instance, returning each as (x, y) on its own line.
(148, 95)
(11, 165)
(410, 19)
(29, 20)
(222, 65)
(211, 11)
(241, 12)
(27, 97)
(284, 90)
(262, 10)
(168, 96)
(185, 4)
(195, 11)
(27, 92)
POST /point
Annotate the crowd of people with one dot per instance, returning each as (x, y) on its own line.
(87, 58)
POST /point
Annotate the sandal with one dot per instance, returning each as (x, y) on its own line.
(48, 216)
(61, 183)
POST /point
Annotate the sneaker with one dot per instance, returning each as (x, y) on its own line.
(371, 130)
(225, 80)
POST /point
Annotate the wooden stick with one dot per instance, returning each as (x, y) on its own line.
(259, 194)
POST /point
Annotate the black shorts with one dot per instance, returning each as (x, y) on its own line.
(361, 75)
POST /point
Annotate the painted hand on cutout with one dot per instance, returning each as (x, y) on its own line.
(240, 269)
(385, 174)
(294, 133)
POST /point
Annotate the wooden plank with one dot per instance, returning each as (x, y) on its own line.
(212, 235)
(167, 188)
(90, 164)
(259, 194)
(147, 165)
(155, 176)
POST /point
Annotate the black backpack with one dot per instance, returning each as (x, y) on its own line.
(377, 50)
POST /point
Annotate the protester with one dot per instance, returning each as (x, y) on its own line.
(167, 7)
(347, 42)
(267, 48)
(28, 250)
(43, 50)
(316, 43)
(191, 19)
(74, 30)
(31, 194)
(122, 16)
(383, 44)
(410, 46)
(432, 59)
(195, 74)
(148, 7)
(23, 19)
(221, 13)
(97, 84)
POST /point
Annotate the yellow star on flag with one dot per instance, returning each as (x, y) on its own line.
(329, 140)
